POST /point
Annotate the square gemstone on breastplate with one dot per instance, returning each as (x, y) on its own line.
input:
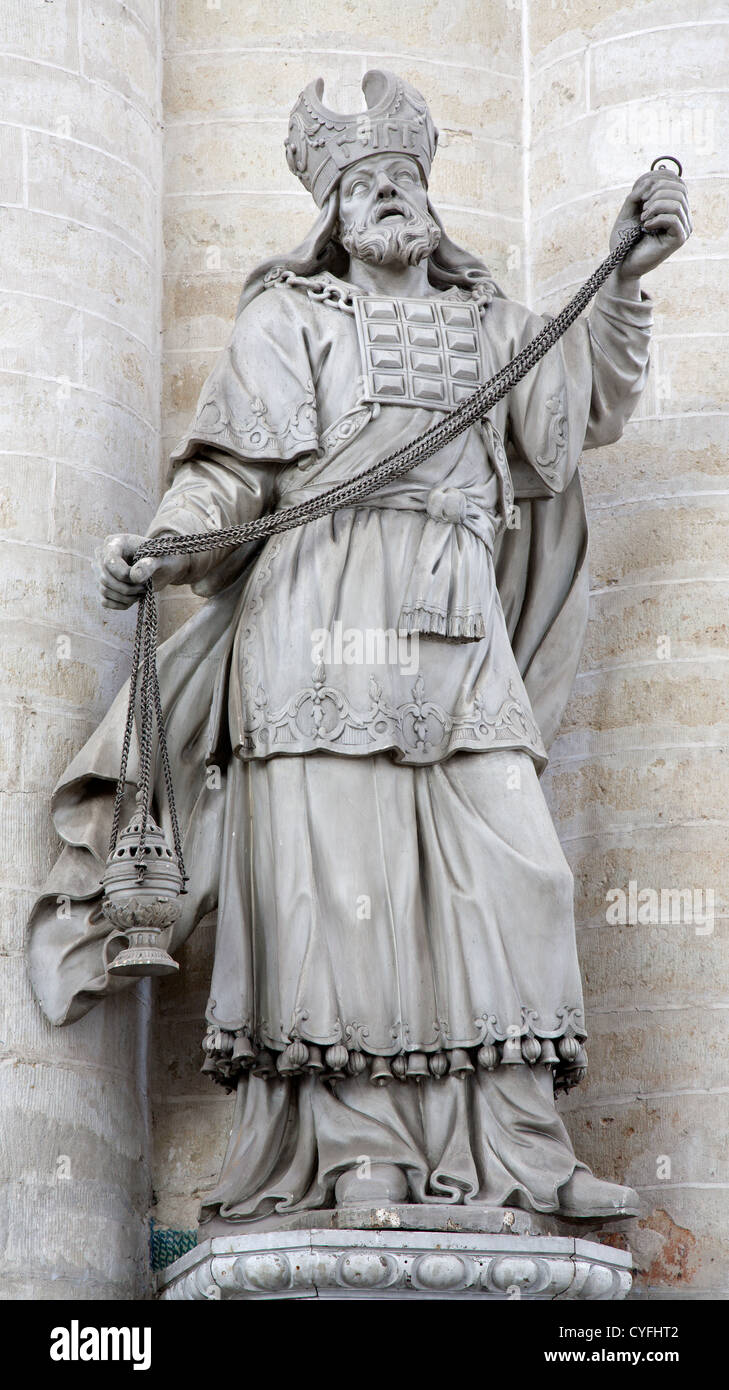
(386, 385)
(415, 311)
(384, 333)
(459, 341)
(426, 362)
(380, 309)
(462, 369)
(424, 337)
(428, 390)
(457, 315)
(387, 359)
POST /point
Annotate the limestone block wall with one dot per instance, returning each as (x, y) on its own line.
(232, 72)
(80, 173)
(638, 777)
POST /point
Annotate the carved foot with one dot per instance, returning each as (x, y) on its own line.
(386, 1183)
(588, 1196)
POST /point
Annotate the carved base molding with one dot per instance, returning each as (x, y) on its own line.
(380, 1264)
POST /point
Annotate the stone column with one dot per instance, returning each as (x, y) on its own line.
(79, 456)
(638, 776)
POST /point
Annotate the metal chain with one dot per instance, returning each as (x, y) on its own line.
(346, 494)
(129, 726)
(150, 712)
(318, 288)
(164, 751)
(146, 726)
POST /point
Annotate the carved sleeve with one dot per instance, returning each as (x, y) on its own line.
(210, 490)
(548, 409)
(256, 410)
(259, 401)
(620, 331)
(582, 393)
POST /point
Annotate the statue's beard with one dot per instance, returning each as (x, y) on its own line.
(381, 243)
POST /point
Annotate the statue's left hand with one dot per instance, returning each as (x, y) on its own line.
(660, 201)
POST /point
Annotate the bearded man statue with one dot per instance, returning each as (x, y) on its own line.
(395, 975)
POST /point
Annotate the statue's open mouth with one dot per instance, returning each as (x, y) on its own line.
(390, 210)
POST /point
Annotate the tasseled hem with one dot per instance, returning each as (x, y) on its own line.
(230, 1055)
(465, 626)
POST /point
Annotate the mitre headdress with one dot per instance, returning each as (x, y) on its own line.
(321, 144)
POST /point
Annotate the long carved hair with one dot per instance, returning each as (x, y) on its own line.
(320, 250)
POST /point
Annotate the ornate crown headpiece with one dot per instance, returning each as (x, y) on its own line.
(321, 144)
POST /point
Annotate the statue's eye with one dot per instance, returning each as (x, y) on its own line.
(355, 188)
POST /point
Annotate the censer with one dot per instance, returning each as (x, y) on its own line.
(144, 877)
(141, 887)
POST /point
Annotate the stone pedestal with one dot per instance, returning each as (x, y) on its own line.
(388, 1254)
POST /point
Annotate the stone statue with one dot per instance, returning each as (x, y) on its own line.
(395, 993)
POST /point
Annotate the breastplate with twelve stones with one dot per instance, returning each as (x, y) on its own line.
(424, 352)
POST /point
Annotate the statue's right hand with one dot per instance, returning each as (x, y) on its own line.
(121, 581)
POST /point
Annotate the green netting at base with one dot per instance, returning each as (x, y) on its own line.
(166, 1245)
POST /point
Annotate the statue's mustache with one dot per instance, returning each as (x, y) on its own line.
(377, 239)
(383, 210)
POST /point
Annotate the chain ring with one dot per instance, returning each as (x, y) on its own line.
(658, 164)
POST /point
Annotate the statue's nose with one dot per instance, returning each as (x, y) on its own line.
(385, 187)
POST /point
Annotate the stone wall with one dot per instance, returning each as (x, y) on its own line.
(80, 174)
(638, 776)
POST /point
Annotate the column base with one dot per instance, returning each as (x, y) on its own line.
(388, 1258)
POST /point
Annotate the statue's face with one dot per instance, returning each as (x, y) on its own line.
(383, 211)
(381, 187)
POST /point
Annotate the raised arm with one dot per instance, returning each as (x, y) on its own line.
(622, 316)
(582, 393)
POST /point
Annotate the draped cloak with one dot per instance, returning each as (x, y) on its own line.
(282, 416)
